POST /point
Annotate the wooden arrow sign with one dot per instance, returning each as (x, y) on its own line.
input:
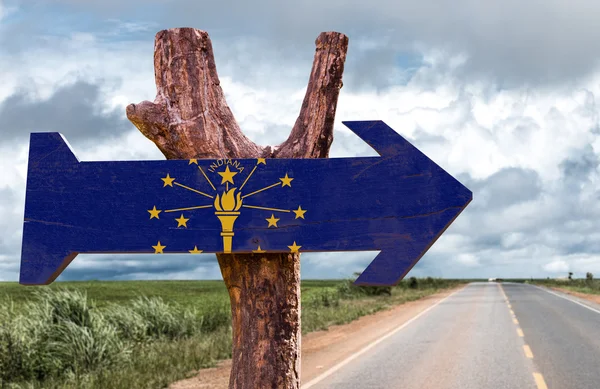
(399, 203)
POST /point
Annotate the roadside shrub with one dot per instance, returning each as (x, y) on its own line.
(376, 290)
(593, 284)
(413, 283)
(324, 298)
(347, 289)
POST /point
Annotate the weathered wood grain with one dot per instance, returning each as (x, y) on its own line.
(312, 134)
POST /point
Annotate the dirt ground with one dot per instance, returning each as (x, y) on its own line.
(595, 298)
(322, 350)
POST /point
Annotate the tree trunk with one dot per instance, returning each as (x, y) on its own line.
(190, 119)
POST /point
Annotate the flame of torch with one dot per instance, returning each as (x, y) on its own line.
(228, 203)
(227, 207)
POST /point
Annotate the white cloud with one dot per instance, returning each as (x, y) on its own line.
(558, 266)
(469, 260)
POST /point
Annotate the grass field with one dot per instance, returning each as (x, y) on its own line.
(147, 334)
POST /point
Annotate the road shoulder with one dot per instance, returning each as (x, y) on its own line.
(594, 298)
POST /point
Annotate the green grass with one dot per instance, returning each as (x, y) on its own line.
(185, 293)
(147, 334)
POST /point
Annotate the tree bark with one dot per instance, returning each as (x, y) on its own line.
(189, 118)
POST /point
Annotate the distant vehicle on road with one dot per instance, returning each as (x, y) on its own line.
(495, 280)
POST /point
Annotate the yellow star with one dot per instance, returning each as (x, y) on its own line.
(195, 250)
(227, 175)
(272, 221)
(299, 212)
(286, 181)
(182, 221)
(168, 180)
(261, 160)
(193, 160)
(158, 249)
(259, 250)
(294, 248)
(154, 212)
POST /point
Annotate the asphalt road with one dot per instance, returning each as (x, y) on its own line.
(475, 339)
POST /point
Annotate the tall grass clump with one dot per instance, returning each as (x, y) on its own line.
(163, 319)
(18, 357)
(61, 334)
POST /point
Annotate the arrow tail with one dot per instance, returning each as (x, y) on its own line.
(43, 257)
(49, 148)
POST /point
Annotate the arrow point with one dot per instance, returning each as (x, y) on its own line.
(399, 254)
(381, 137)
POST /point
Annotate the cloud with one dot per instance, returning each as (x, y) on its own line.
(557, 267)
(467, 260)
(508, 186)
(73, 110)
(335, 264)
(578, 168)
(509, 41)
(142, 266)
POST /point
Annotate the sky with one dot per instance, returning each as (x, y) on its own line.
(500, 94)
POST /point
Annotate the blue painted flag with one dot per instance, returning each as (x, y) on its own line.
(399, 203)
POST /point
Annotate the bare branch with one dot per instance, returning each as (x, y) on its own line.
(189, 117)
(312, 134)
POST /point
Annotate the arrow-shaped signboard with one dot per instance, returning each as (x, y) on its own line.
(398, 203)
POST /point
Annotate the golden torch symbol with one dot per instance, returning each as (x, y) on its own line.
(227, 207)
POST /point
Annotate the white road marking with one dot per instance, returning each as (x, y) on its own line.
(335, 368)
(566, 298)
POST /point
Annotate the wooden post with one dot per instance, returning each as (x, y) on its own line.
(190, 119)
